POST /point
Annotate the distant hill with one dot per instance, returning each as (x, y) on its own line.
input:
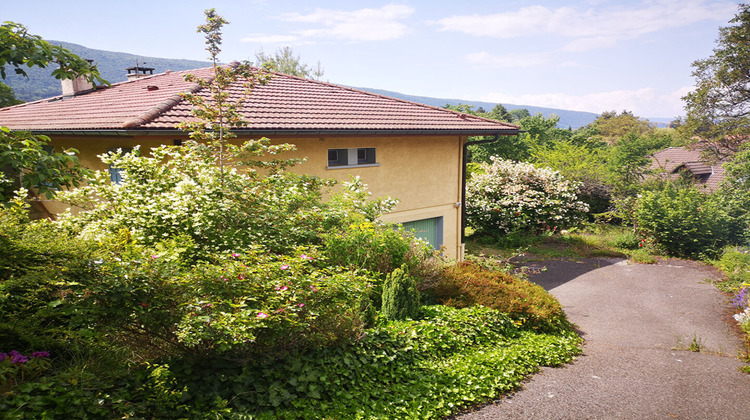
(568, 119)
(112, 66)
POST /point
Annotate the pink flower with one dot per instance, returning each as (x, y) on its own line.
(154, 256)
(261, 315)
(300, 305)
(235, 255)
(225, 279)
(305, 257)
(284, 267)
(313, 288)
(282, 288)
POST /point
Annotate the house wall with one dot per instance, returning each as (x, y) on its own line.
(423, 173)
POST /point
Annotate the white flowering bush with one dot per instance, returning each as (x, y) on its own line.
(507, 196)
(179, 191)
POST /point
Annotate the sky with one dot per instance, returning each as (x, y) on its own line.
(595, 55)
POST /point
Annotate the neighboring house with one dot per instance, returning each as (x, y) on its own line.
(678, 162)
(402, 149)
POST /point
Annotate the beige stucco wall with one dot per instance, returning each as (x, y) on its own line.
(423, 173)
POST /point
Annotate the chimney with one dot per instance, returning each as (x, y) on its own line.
(137, 72)
(72, 87)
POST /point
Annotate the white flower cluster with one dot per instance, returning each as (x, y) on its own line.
(743, 317)
(515, 196)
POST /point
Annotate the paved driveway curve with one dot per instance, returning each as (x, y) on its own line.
(639, 322)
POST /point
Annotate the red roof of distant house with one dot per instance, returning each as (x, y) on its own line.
(287, 104)
(675, 159)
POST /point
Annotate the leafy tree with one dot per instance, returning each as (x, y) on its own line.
(612, 127)
(285, 61)
(629, 160)
(718, 110)
(519, 114)
(735, 195)
(582, 164)
(7, 97)
(26, 160)
(18, 48)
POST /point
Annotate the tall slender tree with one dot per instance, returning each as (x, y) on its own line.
(718, 110)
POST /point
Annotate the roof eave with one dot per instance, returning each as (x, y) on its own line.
(283, 132)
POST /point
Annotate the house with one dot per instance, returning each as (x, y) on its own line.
(409, 151)
(676, 162)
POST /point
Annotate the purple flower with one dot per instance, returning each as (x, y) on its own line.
(3, 356)
(740, 300)
(39, 354)
(17, 358)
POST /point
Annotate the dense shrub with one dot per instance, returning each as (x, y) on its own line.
(239, 304)
(400, 296)
(518, 197)
(467, 284)
(685, 222)
(379, 248)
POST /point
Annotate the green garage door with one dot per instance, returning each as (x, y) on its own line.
(430, 230)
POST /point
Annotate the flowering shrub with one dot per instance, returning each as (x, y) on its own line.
(518, 197)
(16, 368)
(247, 303)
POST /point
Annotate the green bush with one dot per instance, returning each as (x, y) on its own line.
(400, 296)
(685, 222)
(735, 264)
(467, 284)
(379, 248)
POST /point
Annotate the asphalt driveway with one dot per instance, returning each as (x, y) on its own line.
(639, 322)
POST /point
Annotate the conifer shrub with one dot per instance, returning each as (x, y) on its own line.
(400, 296)
(467, 284)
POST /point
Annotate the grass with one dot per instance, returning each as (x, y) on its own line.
(594, 240)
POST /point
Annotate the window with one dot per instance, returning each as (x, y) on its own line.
(431, 230)
(115, 174)
(362, 156)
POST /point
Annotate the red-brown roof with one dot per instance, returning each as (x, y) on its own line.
(287, 104)
(672, 160)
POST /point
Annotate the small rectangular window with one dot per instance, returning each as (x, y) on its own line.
(355, 156)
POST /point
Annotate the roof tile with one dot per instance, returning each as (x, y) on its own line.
(285, 103)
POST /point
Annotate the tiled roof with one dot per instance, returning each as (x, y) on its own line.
(675, 159)
(286, 104)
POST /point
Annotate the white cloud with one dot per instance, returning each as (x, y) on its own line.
(485, 59)
(645, 102)
(270, 39)
(592, 27)
(380, 24)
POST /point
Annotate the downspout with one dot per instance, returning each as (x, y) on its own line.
(463, 181)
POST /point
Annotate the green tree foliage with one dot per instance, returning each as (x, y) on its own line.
(27, 161)
(7, 98)
(582, 164)
(285, 61)
(685, 222)
(20, 49)
(612, 127)
(717, 110)
(629, 162)
(735, 195)
(400, 296)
